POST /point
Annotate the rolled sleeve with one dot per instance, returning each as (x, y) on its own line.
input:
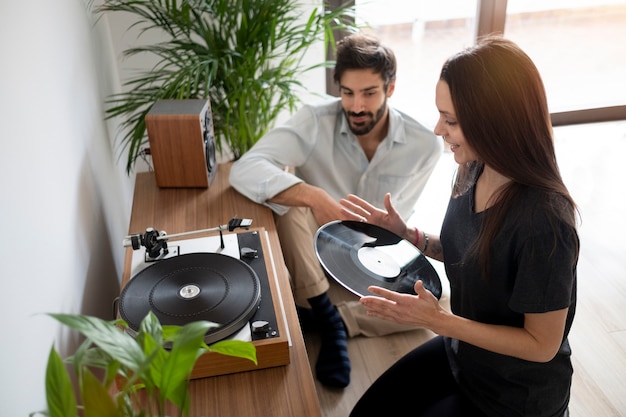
(245, 174)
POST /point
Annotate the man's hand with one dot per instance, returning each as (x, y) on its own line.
(324, 207)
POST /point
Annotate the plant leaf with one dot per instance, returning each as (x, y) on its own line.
(158, 358)
(59, 389)
(187, 347)
(108, 337)
(97, 400)
(150, 325)
(238, 348)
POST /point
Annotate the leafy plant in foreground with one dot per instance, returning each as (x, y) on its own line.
(148, 370)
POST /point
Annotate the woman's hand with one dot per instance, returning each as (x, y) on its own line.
(539, 340)
(422, 310)
(355, 208)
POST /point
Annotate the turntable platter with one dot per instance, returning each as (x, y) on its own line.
(357, 255)
(193, 287)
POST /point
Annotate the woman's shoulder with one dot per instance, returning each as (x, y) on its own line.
(537, 210)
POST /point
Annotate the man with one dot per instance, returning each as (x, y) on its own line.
(358, 145)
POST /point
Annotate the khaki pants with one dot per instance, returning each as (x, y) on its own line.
(296, 231)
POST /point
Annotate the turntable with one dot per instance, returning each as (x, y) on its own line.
(228, 279)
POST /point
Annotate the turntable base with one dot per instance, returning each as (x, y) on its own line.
(271, 350)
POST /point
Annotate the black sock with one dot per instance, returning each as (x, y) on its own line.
(333, 364)
(307, 319)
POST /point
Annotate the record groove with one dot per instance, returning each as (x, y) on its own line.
(193, 287)
(357, 255)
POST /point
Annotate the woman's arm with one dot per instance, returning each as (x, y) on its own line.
(538, 341)
(428, 244)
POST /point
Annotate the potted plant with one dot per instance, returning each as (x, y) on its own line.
(245, 56)
(140, 375)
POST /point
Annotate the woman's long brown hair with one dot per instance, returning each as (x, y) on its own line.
(501, 107)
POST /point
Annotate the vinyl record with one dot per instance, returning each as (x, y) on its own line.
(358, 255)
(192, 287)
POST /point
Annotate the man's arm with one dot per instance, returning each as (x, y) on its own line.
(324, 207)
(260, 173)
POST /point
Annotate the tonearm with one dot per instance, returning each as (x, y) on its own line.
(155, 241)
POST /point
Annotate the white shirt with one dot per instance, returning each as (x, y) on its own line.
(318, 144)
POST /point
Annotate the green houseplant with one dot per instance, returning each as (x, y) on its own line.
(149, 370)
(245, 56)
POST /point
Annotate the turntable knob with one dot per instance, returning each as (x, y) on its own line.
(261, 329)
(248, 253)
(260, 326)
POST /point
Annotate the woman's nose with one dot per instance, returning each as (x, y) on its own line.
(439, 129)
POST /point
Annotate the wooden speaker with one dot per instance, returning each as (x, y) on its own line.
(182, 143)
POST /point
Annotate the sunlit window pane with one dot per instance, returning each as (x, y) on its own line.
(423, 35)
(579, 47)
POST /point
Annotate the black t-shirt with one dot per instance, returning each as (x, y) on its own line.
(530, 272)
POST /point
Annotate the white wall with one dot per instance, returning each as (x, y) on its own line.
(65, 199)
(64, 202)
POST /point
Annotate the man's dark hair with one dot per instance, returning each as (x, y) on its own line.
(361, 51)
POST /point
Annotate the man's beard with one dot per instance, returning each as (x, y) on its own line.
(365, 128)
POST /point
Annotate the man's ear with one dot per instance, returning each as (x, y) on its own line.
(391, 88)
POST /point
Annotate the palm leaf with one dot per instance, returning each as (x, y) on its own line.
(216, 50)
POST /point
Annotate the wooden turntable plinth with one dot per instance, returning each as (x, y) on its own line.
(270, 352)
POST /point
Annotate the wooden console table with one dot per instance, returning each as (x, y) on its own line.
(287, 390)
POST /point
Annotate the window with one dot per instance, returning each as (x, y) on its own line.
(423, 36)
(576, 44)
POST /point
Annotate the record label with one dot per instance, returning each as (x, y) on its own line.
(378, 262)
(357, 255)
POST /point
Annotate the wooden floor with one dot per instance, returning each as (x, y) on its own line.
(590, 158)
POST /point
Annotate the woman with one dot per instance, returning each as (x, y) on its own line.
(510, 248)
